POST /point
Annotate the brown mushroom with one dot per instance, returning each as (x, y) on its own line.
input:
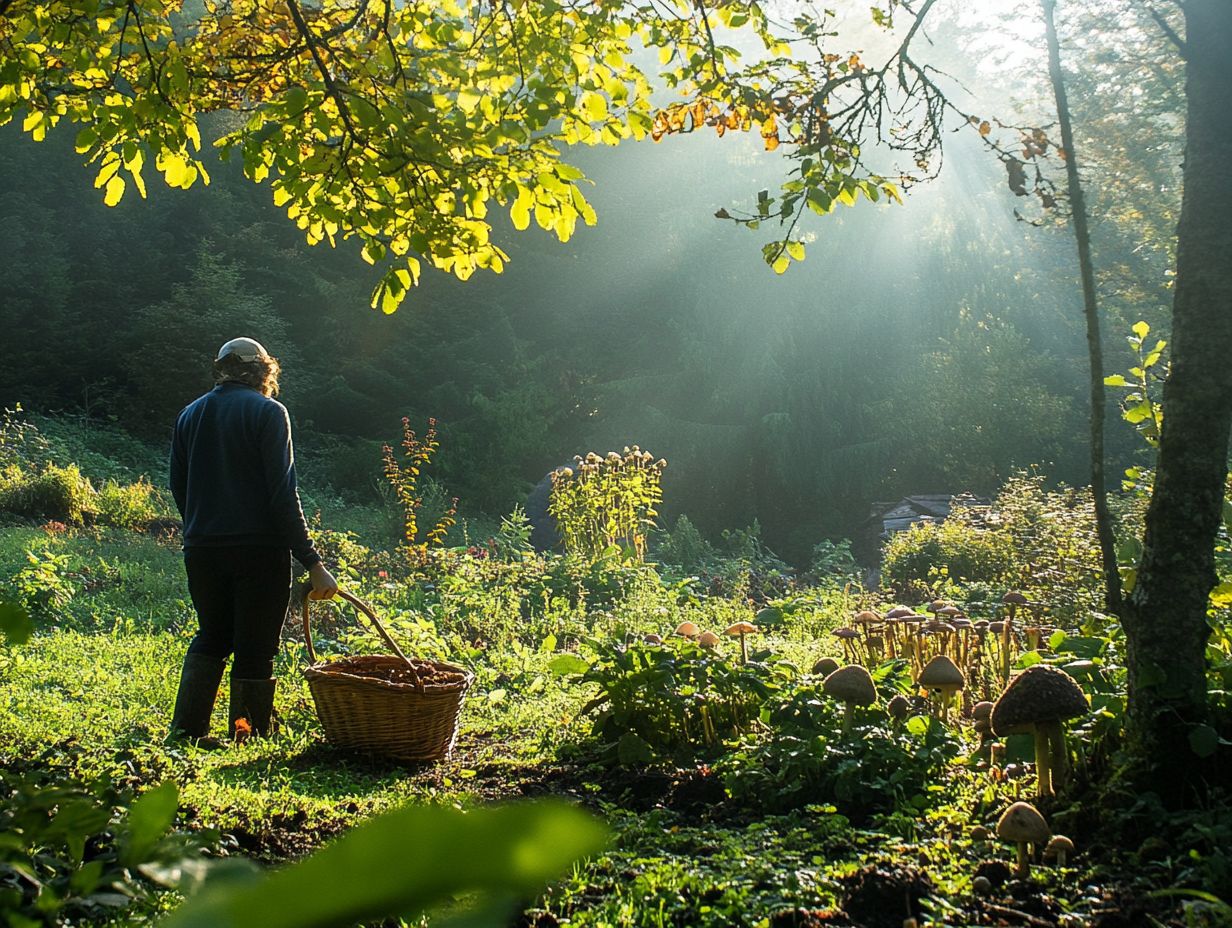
(899, 708)
(825, 666)
(741, 629)
(1038, 700)
(852, 686)
(849, 637)
(1058, 848)
(708, 639)
(1022, 824)
(687, 630)
(942, 676)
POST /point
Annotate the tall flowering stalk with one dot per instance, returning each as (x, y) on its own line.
(404, 480)
(606, 502)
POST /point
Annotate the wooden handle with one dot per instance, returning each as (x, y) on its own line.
(362, 607)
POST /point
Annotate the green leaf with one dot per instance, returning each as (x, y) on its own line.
(16, 623)
(1221, 596)
(148, 820)
(633, 749)
(565, 664)
(1141, 329)
(1116, 380)
(1203, 740)
(405, 862)
(295, 101)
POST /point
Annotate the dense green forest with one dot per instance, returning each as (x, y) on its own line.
(930, 348)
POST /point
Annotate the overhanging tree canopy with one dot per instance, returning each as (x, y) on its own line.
(401, 124)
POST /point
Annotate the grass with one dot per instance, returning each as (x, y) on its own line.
(91, 695)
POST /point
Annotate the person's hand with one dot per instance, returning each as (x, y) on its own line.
(324, 586)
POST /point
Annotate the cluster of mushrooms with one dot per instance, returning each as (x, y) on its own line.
(711, 640)
(981, 648)
(1023, 826)
(943, 651)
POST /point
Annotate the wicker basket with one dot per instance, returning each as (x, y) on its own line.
(389, 705)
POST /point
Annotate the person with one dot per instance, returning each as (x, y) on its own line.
(232, 475)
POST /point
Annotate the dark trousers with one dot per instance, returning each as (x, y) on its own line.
(241, 596)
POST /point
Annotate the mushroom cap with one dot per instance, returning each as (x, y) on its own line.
(846, 633)
(983, 726)
(899, 707)
(1023, 822)
(740, 628)
(1039, 694)
(825, 666)
(851, 684)
(1013, 597)
(981, 710)
(1057, 844)
(652, 638)
(937, 605)
(867, 617)
(898, 612)
(941, 672)
(708, 639)
(949, 610)
(688, 630)
(997, 627)
(980, 833)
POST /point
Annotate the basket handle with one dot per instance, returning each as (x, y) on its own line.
(360, 606)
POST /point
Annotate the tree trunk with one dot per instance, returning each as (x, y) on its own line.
(1165, 619)
(1090, 311)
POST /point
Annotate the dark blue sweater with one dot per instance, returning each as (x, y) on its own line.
(233, 473)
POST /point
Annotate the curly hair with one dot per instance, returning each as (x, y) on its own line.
(261, 374)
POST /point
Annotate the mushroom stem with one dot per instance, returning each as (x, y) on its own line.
(1024, 862)
(1058, 753)
(848, 712)
(1007, 632)
(744, 651)
(1043, 765)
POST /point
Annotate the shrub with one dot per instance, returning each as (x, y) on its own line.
(684, 547)
(928, 553)
(59, 493)
(674, 701)
(806, 758)
(606, 502)
(131, 505)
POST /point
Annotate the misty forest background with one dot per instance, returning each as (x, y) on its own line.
(934, 347)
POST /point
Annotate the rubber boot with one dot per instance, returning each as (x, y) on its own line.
(194, 702)
(252, 704)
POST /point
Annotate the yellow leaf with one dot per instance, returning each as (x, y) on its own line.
(139, 181)
(520, 211)
(174, 168)
(115, 190)
(781, 263)
(796, 250)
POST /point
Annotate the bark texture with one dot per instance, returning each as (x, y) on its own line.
(1165, 617)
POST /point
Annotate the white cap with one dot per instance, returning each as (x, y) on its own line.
(242, 349)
